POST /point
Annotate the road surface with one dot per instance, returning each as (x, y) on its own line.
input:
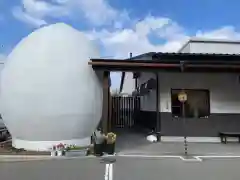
(176, 169)
(71, 169)
(125, 168)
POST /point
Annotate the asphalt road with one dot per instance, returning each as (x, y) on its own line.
(125, 168)
(176, 169)
(71, 169)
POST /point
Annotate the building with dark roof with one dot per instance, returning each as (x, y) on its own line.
(205, 71)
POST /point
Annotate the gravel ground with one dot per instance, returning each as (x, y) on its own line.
(7, 150)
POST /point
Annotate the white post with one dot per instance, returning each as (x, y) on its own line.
(53, 153)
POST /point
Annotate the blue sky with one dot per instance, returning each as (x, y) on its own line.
(123, 26)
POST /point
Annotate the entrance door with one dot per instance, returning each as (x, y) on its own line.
(124, 110)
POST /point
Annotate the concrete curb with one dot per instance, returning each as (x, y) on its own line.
(22, 158)
(183, 158)
(177, 154)
(25, 158)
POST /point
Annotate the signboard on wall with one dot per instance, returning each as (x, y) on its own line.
(182, 97)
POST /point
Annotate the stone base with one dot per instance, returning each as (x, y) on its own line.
(46, 145)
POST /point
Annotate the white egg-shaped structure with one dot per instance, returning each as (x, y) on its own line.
(49, 93)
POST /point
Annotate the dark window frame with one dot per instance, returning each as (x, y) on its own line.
(191, 89)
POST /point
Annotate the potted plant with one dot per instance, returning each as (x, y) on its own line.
(60, 149)
(99, 143)
(110, 143)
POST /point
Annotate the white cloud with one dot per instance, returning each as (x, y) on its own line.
(136, 39)
(226, 32)
(97, 12)
(19, 14)
(170, 37)
(42, 9)
(36, 12)
(119, 40)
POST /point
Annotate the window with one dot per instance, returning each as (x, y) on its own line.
(196, 106)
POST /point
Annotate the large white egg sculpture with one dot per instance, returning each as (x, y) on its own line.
(49, 93)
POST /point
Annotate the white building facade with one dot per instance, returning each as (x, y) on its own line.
(221, 102)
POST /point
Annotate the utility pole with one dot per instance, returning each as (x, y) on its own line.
(182, 97)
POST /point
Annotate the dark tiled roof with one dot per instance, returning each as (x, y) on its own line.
(193, 57)
(193, 54)
(197, 56)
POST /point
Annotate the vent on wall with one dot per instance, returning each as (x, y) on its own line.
(136, 75)
(152, 83)
(145, 88)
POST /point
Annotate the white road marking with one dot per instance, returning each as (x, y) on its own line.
(110, 177)
(108, 172)
(193, 159)
(223, 156)
(106, 175)
(198, 158)
(146, 156)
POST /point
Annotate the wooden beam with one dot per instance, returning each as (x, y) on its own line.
(105, 111)
(131, 64)
(109, 110)
(122, 82)
(158, 111)
(136, 83)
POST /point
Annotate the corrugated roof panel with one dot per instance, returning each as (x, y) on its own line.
(193, 54)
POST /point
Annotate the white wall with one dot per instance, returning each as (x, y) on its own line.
(220, 47)
(148, 102)
(129, 83)
(185, 48)
(1, 68)
(227, 48)
(224, 90)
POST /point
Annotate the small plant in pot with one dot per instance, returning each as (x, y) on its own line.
(74, 150)
(60, 149)
(74, 147)
(110, 142)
